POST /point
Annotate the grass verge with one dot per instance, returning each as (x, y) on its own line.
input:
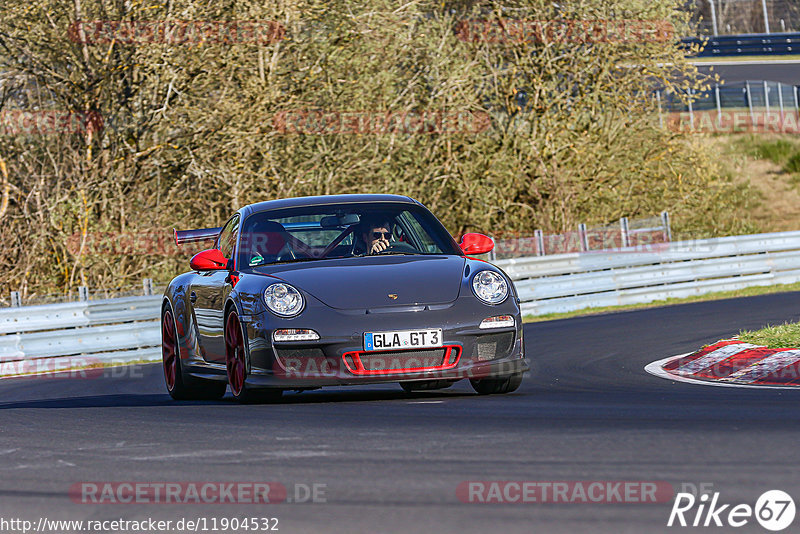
(782, 336)
(720, 295)
(768, 165)
(78, 368)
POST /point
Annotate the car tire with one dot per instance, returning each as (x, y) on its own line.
(425, 385)
(236, 366)
(491, 386)
(180, 386)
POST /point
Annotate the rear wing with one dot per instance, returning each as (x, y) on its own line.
(194, 236)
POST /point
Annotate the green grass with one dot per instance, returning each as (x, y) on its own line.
(778, 151)
(783, 152)
(747, 292)
(793, 164)
(782, 336)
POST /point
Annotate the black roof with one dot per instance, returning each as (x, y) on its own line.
(323, 200)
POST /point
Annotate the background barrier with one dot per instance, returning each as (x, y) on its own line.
(756, 44)
(127, 329)
(628, 232)
(569, 282)
(54, 337)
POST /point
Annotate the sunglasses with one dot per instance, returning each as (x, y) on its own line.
(378, 235)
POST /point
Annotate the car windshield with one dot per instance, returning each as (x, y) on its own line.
(325, 232)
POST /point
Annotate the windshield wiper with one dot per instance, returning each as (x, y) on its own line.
(298, 260)
(294, 260)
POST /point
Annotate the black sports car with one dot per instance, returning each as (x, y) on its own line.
(332, 290)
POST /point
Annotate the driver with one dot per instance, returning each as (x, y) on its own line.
(377, 235)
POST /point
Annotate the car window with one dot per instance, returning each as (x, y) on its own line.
(342, 231)
(411, 230)
(227, 236)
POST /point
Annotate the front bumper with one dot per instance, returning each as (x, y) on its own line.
(337, 359)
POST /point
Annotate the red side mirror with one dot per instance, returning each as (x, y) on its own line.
(208, 260)
(476, 244)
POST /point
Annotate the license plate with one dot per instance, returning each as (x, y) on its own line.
(403, 339)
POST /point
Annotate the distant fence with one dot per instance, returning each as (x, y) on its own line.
(748, 95)
(569, 282)
(755, 44)
(634, 232)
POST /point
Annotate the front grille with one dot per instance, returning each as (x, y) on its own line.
(285, 354)
(402, 360)
(493, 346)
(379, 363)
(301, 361)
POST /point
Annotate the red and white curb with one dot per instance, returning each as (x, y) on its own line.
(733, 363)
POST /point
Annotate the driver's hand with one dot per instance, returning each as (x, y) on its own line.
(379, 246)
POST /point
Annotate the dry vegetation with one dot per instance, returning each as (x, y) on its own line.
(189, 132)
(769, 166)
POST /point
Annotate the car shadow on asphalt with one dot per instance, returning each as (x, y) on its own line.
(134, 400)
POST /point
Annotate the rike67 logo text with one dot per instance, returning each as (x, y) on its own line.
(774, 510)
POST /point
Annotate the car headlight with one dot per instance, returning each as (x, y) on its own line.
(490, 287)
(284, 300)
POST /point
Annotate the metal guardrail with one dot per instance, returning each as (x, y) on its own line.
(754, 44)
(645, 231)
(126, 329)
(99, 332)
(569, 282)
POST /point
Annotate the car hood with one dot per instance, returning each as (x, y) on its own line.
(367, 282)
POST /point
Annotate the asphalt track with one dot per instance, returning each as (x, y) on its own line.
(777, 70)
(391, 462)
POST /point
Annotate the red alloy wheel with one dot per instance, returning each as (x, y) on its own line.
(234, 354)
(169, 349)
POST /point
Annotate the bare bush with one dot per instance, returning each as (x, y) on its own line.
(189, 133)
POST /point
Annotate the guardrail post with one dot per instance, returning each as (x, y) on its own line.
(83, 293)
(623, 228)
(539, 242)
(750, 103)
(716, 98)
(665, 224)
(660, 118)
(766, 95)
(794, 94)
(584, 239)
(780, 100)
(713, 17)
(16, 302)
(147, 286)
